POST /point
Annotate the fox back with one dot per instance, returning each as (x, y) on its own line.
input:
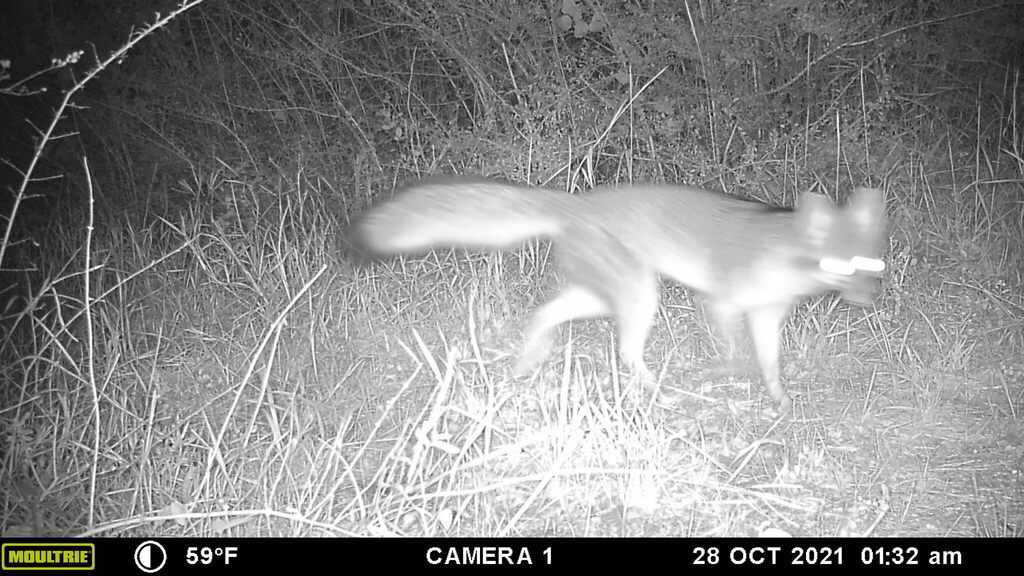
(735, 251)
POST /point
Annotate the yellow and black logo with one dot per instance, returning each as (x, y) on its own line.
(65, 556)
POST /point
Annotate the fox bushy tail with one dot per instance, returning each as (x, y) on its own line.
(463, 212)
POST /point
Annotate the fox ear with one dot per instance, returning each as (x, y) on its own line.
(867, 208)
(815, 216)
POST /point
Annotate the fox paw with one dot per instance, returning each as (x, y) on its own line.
(779, 409)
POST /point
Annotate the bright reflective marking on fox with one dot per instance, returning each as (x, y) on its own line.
(837, 266)
(867, 264)
(850, 267)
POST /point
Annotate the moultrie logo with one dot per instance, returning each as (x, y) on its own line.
(49, 556)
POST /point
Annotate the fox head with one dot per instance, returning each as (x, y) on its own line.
(847, 242)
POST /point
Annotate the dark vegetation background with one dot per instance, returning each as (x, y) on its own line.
(229, 148)
(360, 93)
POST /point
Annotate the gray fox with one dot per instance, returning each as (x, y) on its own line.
(746, 258)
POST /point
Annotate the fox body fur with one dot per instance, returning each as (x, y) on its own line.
(748, 259)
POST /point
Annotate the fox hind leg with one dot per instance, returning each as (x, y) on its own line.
(635, 305)
(571, 303)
